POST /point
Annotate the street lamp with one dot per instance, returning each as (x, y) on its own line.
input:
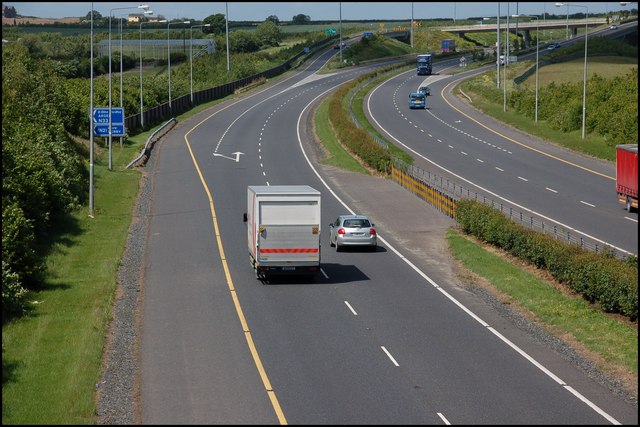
(497, 46)
(91, 126)
(169, 54)
(537, 51)
(586, 38)
(142, 6)
(506, 61)
(141, 97)
(226, 25)
(191, 54)
(411, 24)
(340, 32)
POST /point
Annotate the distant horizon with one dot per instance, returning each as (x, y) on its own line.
(316, 11)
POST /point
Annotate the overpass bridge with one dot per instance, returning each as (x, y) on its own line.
(526, 27)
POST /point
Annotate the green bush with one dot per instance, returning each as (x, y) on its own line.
(600, 278)
(13, 294)
(20, 262)
(357, 140)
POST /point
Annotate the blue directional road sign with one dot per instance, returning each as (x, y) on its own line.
(101, 115)
(103, 130)
(101, 121)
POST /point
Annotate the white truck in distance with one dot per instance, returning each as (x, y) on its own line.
(283, 230)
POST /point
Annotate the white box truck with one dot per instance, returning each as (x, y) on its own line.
(283, 230)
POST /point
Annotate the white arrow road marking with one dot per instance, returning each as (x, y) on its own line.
(237, 153)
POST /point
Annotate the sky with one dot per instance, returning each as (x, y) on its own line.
(247, 11)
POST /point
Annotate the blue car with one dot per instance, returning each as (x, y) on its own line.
(417, 100)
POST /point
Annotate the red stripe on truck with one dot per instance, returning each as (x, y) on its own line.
(289, 251)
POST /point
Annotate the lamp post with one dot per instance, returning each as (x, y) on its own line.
(340, 32)
(91, 126)
(506, 61)
(226, 24)
(169, 55)
(497, 46)
(537, 51)
(586, 38)
(142, 6)
(191, 54)
(411, 24)
(141, 97)
(121, 74)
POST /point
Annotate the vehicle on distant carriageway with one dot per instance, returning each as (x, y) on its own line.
(417, 100)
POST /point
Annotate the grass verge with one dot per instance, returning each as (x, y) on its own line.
(337, 154)
(52, 357)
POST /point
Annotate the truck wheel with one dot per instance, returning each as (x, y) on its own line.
(628, 204)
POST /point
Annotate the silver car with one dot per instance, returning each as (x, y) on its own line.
(353, 230)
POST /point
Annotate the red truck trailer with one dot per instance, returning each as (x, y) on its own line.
(627, 175)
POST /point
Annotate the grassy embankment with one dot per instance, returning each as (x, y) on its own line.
(570, 71)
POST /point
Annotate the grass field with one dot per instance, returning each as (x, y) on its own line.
(572, 71)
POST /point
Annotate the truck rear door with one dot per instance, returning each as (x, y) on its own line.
(289, 233)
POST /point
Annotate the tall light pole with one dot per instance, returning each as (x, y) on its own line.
(586, 38)
(506, 61)
(567, 20)
(454, 14)
(226, 24)
(537, 51)
(191, 54)
(169, 55)
(497, 46)
(91, 126)
(121, 63)
(141, 93)
(142, 6)
(141, 99)
(340, 33)
(411, 24)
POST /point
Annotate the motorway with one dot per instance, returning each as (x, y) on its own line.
(377, 338)
(564, 188)
(570, 191)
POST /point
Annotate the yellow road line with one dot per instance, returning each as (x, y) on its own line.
(234, 296)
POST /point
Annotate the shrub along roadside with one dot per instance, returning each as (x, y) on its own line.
(600, 278)
(357, 140)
